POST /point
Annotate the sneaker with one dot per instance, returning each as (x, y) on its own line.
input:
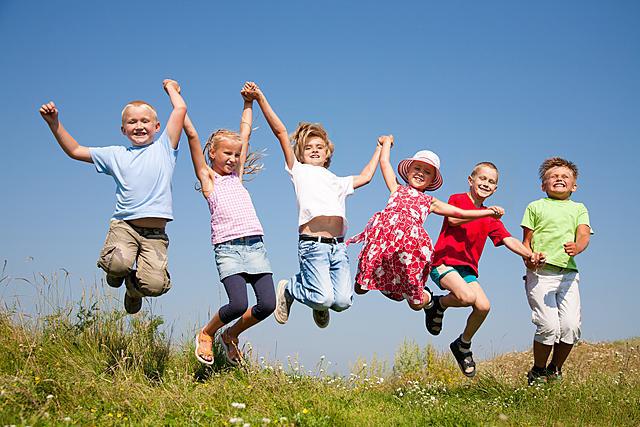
(321, 317)
(554, 373)
(464, 356)
(536, 376)
(114, 282)
(132, 305)
(283, 303)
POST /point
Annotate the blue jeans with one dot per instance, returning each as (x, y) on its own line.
(324, 281)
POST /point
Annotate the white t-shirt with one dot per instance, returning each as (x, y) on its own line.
(319, 192)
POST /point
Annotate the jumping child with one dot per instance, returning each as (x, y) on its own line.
(236, 235)
(142, 173)
(324, 280)
(456, 258)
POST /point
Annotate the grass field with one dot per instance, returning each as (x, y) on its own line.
(87, 364)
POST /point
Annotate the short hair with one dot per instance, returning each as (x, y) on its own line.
(553, 162)
(139, 103)
(306, 131)
(483, 164)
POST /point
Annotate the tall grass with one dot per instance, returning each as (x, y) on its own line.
(87, 363)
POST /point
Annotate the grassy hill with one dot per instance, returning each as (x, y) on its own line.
(92, 365)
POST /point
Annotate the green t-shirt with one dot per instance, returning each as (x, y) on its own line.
(554, 223)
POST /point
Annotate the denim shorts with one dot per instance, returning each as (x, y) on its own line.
(242, 255)
(438, 272)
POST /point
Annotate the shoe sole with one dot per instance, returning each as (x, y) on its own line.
(280, 296)
(319, 325)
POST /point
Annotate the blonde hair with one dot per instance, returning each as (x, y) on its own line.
(252, 164)
(303, 133)
(557, 162)
(483, 164)
(139, 103)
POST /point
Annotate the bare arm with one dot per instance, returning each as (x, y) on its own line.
(516, 246)
(276, 125)
(583, 235)
(367, 173)
(245, 128)
(202, 170)
(69, 145)
(176, 119)
(527, 237)
(385, 164)
(445, 209)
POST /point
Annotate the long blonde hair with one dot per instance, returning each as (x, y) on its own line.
(252, 163)
(303, 133)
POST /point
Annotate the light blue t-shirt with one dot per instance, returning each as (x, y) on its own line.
(142, 175)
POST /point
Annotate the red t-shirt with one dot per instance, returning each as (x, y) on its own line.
(463, 244)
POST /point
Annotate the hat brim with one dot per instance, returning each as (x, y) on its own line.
(403, 170)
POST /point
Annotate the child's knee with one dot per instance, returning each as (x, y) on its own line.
(263, 309)
(153, 284)
(342, 302)
(483, 307)
(547, 332)
(115, 260)
(322, 301)
(570, 331)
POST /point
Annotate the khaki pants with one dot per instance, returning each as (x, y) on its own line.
(147, 247)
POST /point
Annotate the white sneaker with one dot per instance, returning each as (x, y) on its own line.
(283, 303)
(321, 317)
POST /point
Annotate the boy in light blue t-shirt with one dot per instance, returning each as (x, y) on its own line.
(142, 173)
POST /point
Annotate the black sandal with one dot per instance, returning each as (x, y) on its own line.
(464, 356)
(433, 316)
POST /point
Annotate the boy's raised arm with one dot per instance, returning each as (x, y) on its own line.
(370, 168)
(69, 145)
(386, 141)
(200, 166)
(176, 119)
(277, 127)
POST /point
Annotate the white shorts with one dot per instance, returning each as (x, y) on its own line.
(554, 298)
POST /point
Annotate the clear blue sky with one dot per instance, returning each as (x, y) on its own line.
(509, 82)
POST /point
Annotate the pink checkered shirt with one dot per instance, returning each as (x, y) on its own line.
(232, 212)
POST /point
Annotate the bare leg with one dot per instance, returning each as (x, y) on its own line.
(561, 351)
(541, 354)
(481, 307)
(426, 299)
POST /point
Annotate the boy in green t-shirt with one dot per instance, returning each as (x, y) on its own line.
(559, 228)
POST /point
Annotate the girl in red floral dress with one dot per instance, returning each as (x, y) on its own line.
(397, 251)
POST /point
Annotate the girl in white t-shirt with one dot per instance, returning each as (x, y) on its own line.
(324, 280)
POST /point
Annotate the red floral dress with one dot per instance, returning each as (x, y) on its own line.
(397, 251)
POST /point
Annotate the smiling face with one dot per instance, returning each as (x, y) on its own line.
(559, 182)
(483, 182)
(139, 124)
(420, 175)
(315, 151)
(224, 156)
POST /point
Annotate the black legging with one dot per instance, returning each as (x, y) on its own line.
(236, 287)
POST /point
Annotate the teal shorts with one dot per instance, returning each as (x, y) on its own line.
(467, 273)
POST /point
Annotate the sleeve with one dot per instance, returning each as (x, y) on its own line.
(103, 158)
(529, 218)
(583, 217)
(497, 232)
(166, 143)
(346, 185)
(295, 166)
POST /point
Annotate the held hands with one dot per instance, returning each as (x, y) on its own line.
(385, 139)
(250, 92)
(49, 113)
(537, 259)
(168, 84)
(497, 211)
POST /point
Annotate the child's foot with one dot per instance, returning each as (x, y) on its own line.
(132, 305)
(114, 282)
(283, 303)
(359, 289)
(462, 352)
(229, 348)
(433, 316)
(321, 317)
(204, 348)
(536, 376)
(554, 373)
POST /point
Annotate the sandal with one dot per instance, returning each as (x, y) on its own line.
(225, 350)
(433, 316)
(202, 338)
(464, 356)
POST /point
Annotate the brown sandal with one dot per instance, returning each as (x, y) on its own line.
(203, 338)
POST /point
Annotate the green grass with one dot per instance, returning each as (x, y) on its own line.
(89, 364)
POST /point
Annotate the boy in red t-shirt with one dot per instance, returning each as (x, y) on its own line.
(456, 257)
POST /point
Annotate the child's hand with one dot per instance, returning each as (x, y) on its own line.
(251, 91)
(497, 211)
(571, 248)
(49, 113)
(168, 83)
(385, 139)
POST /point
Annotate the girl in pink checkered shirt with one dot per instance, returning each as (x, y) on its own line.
(324, 281)
(236, 235)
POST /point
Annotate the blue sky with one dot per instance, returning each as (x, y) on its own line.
(508, 82)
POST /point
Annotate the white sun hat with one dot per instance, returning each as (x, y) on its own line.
(424, 156)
